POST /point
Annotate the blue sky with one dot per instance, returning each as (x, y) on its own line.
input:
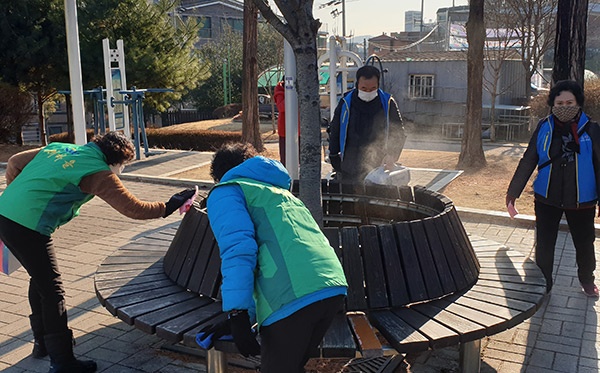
(372, 17)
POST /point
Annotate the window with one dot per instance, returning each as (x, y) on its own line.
(205, 27)
(420, 86)
(235, 24)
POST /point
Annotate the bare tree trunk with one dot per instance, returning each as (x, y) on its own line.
(300, 30)
(41, 119)
(310, 127)
(471, 153)
(571, 34)
(250, 121)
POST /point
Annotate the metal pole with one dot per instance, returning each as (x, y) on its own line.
(343, 18)
(291, 111)
(332, 78)
(75, 71)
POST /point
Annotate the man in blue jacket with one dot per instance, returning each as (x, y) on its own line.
(366, 130)
(277, 265)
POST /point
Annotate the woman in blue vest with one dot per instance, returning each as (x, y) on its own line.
(278, 267)
(45, 189)
(366, 130)
(565, 149)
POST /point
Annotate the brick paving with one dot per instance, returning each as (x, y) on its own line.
(560, 337)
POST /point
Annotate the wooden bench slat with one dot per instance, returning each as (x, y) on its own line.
(367, 340)
(131, 259)
(211, 281)
(181, 241)
(522, 287)
(408, 255)
(353, 269)
(374, 271)
(469, 268)
(426, 262)
(333, 236)
(511, 278)
(188, 270)
(133, 289)
(136, 246)
(109, 269)
(116, 302)
(510, 294)
(148, 321)
(446, 274)
(402, 336)
(515, 304)
(131, 312)
(338, 340)
(439, 336)
(393, 267)
(128, 273)
(129, 281)
(493, 324)
(467, 329)
(174, 329)
(207, 248)
(455, 227)
(451, 255)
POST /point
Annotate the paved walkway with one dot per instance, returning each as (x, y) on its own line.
(560, 337)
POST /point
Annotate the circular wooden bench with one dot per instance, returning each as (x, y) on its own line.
(415, 277)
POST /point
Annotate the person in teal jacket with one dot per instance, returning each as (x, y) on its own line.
(46, 188)
(278, 267)
(565, 149)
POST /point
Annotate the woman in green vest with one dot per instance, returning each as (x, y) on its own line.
(45, 189)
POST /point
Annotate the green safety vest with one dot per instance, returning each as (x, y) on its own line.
(46, 194)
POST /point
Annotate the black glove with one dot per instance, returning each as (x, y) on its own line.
(336, 161)
(210, 333)
(243, 336)
(177, 200)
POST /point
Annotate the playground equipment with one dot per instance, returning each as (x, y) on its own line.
(339, 59)
(134, 97)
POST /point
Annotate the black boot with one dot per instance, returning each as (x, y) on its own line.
(39, 347)
(62, 360)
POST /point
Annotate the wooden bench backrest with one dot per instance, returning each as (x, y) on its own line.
(386, 265)
(193, 260)
(412, 258)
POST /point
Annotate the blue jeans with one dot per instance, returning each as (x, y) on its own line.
(35, 252)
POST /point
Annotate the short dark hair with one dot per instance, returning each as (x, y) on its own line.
(115, 146)
(229, 156)
(367, 72)
(569, 86)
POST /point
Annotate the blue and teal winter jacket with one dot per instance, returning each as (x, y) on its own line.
(273, 254)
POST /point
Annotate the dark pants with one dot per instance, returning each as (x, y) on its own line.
(287, 344)
(36, 253)
(581, 226)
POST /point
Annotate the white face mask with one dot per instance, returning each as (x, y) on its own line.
(367, 96)
(117, 168)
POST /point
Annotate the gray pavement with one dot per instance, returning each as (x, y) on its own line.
(560, 337)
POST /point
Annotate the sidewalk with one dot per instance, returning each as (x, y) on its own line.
(561, 337)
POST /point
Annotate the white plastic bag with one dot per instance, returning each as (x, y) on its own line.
(397, 175)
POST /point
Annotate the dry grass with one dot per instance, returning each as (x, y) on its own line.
(483, 189)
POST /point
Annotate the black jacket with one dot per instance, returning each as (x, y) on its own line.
(365, 139)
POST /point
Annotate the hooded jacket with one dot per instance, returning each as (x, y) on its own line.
(273, 253)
